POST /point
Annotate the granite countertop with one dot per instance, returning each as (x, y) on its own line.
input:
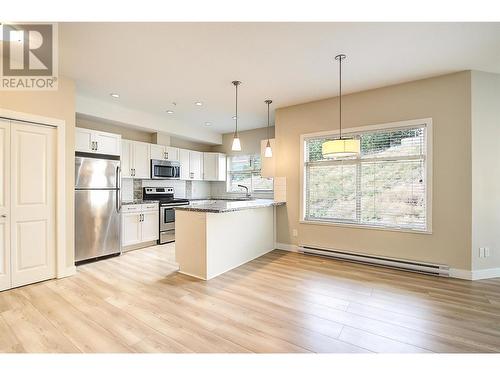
(139, 201)
(221, 205)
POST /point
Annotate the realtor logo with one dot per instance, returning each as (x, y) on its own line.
(29, 57)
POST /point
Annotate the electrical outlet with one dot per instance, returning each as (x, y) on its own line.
(295, 233)
(484, 252)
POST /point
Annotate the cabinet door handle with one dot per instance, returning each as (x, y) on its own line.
(92, 145)
(96, 146)
(166, 155)
(3, 216)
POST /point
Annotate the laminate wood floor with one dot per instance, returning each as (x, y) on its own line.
(281, 302)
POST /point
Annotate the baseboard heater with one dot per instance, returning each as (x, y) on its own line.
(400, 264)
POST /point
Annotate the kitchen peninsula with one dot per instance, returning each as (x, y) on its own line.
(215, 236)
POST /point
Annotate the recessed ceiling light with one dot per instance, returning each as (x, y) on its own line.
(208, 123)
(114, 95)
(170, 111)
(198, 103)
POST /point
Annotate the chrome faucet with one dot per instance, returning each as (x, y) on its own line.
(246, 188)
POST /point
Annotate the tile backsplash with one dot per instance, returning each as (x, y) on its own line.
(132, 189)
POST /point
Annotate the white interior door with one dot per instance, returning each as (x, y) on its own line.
(33, 166)
(5, 281)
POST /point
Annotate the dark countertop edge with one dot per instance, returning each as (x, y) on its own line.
(127, 203)
(218, 211)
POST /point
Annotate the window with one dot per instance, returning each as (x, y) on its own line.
(385, 186)
(245, 170)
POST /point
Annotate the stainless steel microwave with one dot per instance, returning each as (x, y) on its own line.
(165, 169)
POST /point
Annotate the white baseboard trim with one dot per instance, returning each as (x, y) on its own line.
(287, 247)
(488, 273)
(456, 273)
(68, 271)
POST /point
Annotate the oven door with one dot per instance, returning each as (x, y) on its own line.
(167, 218)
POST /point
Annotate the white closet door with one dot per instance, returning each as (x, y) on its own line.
(33, 165)
(5, 282)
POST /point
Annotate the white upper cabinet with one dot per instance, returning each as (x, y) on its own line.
(141, 159)
(160, 152)
(135, 159)
(126, 159)
(195, 165)
(214, 166)
(184, 161)
(191, 164)
(97, 142)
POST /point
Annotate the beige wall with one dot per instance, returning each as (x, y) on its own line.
(125, 132)
(58, 104)
(485, 168)
(446, 100)
(189, 145)
(250, 141)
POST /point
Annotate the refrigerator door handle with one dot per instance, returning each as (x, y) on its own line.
(118, 190)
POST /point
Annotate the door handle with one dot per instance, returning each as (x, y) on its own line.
(118, 190)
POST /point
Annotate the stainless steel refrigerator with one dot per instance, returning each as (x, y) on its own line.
(97, 206)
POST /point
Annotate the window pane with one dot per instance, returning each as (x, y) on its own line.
(405, 142)
(261, 183)
(331, 191)
(384, 186)
(236, 179)
(240, 163)
(393, 194)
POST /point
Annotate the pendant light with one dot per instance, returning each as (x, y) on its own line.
(236, 140)
(269, 151)
(342, 147)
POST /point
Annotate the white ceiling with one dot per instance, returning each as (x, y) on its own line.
(152, 65)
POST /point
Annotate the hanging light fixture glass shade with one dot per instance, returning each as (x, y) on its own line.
(236, 143)
(236, 140)
(342, 147)
(269, 152)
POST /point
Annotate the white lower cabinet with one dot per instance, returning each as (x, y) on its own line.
(140, 223)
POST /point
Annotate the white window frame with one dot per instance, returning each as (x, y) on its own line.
(427, 122)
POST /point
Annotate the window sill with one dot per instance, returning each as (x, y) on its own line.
(369, 227)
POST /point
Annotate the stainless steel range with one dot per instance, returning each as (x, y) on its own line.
(165, 195)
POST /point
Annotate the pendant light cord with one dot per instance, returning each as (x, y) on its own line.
(236, 132)
(340, 96)
(268, 120)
